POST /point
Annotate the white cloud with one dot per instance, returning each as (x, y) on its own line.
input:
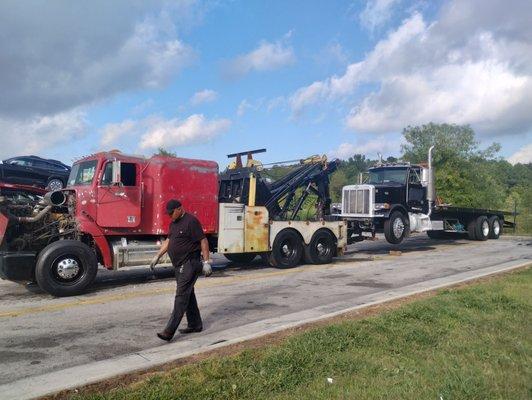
(472, 65)
(154, 131)
(523, 156)
(376, 13)
(266, 57)
(243, 107)
(34, 135)
(62, 55)
(381, 144)
(203, 96)
(112, 133)
(176, 132)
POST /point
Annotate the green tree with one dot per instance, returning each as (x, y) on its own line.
(453, 142)
(465, 174)
(163, 152)
(337, 181)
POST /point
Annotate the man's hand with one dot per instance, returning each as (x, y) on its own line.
(207, 269)
(154, 262)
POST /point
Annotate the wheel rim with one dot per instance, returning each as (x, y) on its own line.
(322, 248)
(398, 227)
(485, 228)
(55, 184)
(287, 249)
(496, 227)
(67, 270)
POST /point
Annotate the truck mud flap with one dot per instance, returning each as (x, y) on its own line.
(19, 266)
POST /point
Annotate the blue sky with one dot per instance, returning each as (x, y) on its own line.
(207, 78)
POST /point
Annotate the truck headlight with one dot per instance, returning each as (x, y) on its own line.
(381, 206)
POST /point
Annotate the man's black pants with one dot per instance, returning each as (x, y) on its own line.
(185, 299)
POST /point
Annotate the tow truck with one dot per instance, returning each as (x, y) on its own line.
(112, 213)
(400, 198)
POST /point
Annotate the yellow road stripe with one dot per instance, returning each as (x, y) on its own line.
(211, 282)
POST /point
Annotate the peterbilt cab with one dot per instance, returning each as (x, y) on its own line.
(394, 199)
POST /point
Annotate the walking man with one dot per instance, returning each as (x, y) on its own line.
(186, 242)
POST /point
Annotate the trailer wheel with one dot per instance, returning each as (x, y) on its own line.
(66, 268)
(479, 228)
(321, 248)
(240, 258)
(495, 227)
(287, 249)
(395, 228)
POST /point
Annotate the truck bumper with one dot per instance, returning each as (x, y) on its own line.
(18, 266)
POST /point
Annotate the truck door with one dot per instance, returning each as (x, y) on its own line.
(415, 191)
(119, 204)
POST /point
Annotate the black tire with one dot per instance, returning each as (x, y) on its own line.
(51, 271)
(287, 249)
(240, 258)
(54, 184)
(321, 248)
(495, 227)
(396, 219)
(481, 228)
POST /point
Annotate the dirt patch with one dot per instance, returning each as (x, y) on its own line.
(264, 341)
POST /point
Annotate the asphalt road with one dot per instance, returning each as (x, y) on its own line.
(123, 310)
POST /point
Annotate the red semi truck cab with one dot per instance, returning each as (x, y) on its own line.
(122, 198)
(112, 213)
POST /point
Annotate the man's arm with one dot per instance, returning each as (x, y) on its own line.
(163, 249)
(205, 249)
(207, 269)
(160, 253)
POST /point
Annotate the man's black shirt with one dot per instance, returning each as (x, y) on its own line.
(185, 235)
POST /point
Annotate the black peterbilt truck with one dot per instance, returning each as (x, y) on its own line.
(400, 198)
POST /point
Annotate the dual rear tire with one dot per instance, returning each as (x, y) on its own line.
(288, 249)
(484, 228)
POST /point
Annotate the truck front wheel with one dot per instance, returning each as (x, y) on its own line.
(395, 228)
(287, 249)
(66, 268)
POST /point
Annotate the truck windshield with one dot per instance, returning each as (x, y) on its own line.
(82, 173)
(387, 175)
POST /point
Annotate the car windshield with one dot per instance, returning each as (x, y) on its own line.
(397, 175)
(82, 173)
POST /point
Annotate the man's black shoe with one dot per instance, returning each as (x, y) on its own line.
(191, 330)
(164, 335)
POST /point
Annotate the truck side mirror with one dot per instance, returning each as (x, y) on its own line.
(116, 180)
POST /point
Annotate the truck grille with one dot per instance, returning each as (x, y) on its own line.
(358, 200)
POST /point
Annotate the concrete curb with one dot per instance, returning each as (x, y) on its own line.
(78, 376)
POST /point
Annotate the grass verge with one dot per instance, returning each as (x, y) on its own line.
(473, 342)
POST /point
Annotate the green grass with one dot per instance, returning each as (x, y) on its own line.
(467, 343)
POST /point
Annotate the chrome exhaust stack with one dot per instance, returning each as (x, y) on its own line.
(431, 190)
